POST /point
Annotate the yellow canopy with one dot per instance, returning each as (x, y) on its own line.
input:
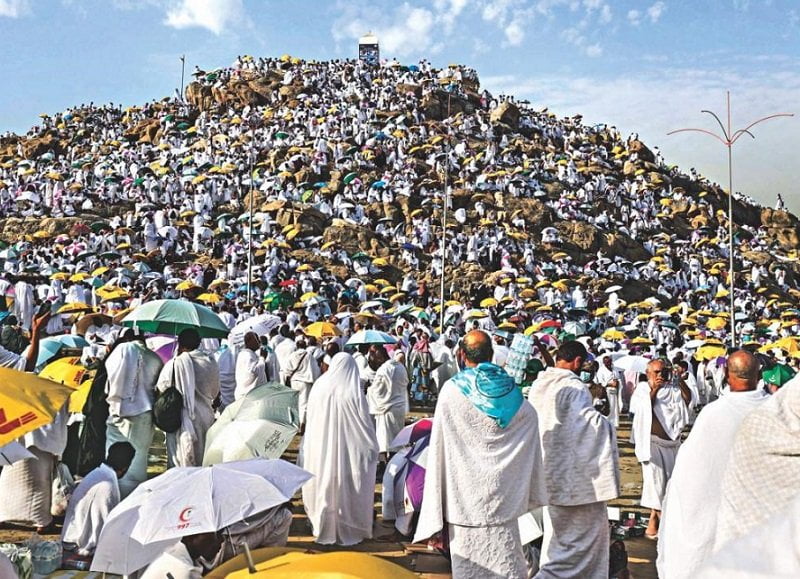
(210, 298)
(27, 402)
(185, 285)
(65, 371)
(322, 330)
(336, 565)
(613, 334)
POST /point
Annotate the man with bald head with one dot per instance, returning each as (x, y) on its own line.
(483, 467)
(689, 519)
(660, 409)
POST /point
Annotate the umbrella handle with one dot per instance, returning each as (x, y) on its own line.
(251, 568)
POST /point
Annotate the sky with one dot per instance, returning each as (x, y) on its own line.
(647, 67)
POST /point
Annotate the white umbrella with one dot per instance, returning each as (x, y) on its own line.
(613, 288)
(244, 439)
(13, 452)
(261, 325)
(212, 498)
(189, 500)
(632, 363)
(370, 337)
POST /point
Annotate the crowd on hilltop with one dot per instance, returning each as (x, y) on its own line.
(155, 202)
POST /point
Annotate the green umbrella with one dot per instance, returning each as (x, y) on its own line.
(778, 375)
(281, 135)
(173, 316)
(276, 300)
(98, 225)
(307, 195)
(349, 178)
(183, 126)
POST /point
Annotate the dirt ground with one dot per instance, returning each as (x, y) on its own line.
(428, 564)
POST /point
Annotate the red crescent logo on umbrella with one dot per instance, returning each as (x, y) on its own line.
(185, 515)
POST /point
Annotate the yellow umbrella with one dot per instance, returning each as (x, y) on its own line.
(788, 343)
(60, 276)
(305, 267)
(27, 402)
(710, 352)
(78, 399)
(450, 303)
(65, 371)
(613, 334)
(115, 294)
(322, 330)
(642, 341)
(308, 296)
(383, 282)
(488, 302)
(716, 324)
(80, 276)
(380, 262)
(338, 565)
(388, 289)
(217, 283)
(74, 308)
(210, 298)
(100, 271)
(185, 285)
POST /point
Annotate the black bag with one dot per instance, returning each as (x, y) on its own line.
(168, 409)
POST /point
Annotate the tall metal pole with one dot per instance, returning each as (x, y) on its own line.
(728, 139)
(444, 223)
(250, 236)
(183, 69)
(731, 267)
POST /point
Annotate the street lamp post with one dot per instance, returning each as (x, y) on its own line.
(250, 234)
(444, 222)
(728, 138)
(183, 70)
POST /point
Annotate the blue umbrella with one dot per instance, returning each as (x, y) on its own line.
(370, 337)
(49, 347)
(379, 184)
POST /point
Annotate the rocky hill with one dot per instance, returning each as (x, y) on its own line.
(511, 169)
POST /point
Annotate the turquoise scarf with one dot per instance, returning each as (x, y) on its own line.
(491, 390)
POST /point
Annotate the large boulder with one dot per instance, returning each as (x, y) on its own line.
(146, 131)
(506, 113)
(642, 152)
(199, 96)
(776, 218)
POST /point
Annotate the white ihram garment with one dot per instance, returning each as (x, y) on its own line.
(196, 376)
(580, 463)
(480, 478)
(387, 398)
(340, 449)
(689, 520)
(656, 454)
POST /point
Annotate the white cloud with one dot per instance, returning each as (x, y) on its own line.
(594, 51)
(653, 104)
(514, 33)
(14, 8)
(213, 15)
(406, 30)
(634, 17)
(655, 11)
(605, 14)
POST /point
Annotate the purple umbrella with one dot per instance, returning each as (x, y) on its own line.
(164, 346)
